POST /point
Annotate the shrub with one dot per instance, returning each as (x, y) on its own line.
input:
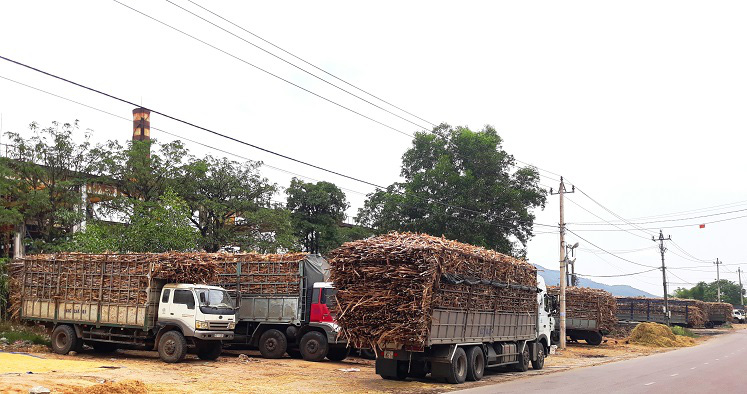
(677, 330)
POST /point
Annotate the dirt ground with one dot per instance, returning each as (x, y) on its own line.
(21, 371)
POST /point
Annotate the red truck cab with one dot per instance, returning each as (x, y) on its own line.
(323, 303)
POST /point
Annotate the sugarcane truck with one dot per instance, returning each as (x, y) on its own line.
(300, 324)
(462, 343)
(176, 317)
(576, 328)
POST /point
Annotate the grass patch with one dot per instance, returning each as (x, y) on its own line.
(677, 330)
(14, 333)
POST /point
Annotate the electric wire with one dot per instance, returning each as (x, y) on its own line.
(265, 71)
(611, 254)
(618, 275)
(294, 65)
(680, 213)
(662, 221)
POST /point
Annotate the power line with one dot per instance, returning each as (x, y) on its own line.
(612, 254)
(312, 65)
(610, 211)
(706, 209)
(624, 251)
(619, 275)
(265, 71)
(660, 221)
(290, 63)
(663, 227)
(251, 145)
(629, 232)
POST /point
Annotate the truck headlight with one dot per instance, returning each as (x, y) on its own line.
(231, 326)
(201, 325)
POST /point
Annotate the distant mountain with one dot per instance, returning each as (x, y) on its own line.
(552, 278)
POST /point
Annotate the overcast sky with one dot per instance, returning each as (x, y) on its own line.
(641, 104)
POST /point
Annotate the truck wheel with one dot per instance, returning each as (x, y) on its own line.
(338, 353)
(314, 346)
(64, 339)
(209, 350)
(593, 338)
(457, 372)
(272, 344)
(172, 347)
(368, 354)
(103, 347)
(475, 363)
(539, 363)
(524, 360)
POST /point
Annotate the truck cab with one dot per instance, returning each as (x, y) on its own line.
(201, 314)
(545, 321)
(322, 315)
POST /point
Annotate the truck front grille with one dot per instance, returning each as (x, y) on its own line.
(218, 325)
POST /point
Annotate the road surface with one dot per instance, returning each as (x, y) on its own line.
(717, 366)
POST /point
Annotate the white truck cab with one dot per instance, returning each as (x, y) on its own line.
(545, 321)
(204, 315)
(739, 316)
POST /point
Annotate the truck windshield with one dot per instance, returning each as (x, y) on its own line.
(328, 297)
(214, 298)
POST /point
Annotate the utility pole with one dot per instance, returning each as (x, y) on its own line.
(663, 249)
(718, 279)
(563, 259)
(741, 289)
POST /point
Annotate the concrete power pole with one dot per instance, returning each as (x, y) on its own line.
(563, 260)
(718, 279)
(663, 249)
(741, 289)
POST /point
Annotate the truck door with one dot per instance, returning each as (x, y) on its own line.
(182, 307)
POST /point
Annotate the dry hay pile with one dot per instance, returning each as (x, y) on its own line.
(388, 286)
(592, 304)
(719, 311)
(253, 273)
(694, 310)
(658, 335)
(123, 387)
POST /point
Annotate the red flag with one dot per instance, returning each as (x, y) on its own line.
(702, 226)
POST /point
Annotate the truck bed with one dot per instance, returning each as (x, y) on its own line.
(454, 326)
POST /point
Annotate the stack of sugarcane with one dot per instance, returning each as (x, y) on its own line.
(109, 278)
(695, 310)
(388, 286)
(591, 304)
(719, 312)
(260, 274)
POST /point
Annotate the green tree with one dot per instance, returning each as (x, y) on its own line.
(155, 226)
(231, 206)
(42, 180)
(460, 184)
(317, 210)
(709, 292)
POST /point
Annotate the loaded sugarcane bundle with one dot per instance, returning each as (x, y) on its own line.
(591, 304)
(388, 286)
(693, 310)
(719, 311)
(260, 274)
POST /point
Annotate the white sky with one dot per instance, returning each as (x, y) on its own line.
(640, 103)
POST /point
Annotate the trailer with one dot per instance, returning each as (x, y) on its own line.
(682, 313)
(116, 301)
(285, 305)
(463, 343)
(719, 313)
(576, 329)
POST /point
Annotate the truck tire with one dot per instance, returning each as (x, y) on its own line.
(524, 360)
(593, 338)
(172, 347)
(64, 339)
(314, 346)
(103, 347)
(338, 353)
(475, 363)
(368, 354)
(209, 350)
(457, 372)
(272, 344)
(539, 363)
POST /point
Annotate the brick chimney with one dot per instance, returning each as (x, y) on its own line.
(140, 124)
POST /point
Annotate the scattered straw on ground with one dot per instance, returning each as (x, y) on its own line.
(658, 335)
(123, 387)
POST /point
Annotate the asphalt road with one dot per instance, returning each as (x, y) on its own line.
(717, 366)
